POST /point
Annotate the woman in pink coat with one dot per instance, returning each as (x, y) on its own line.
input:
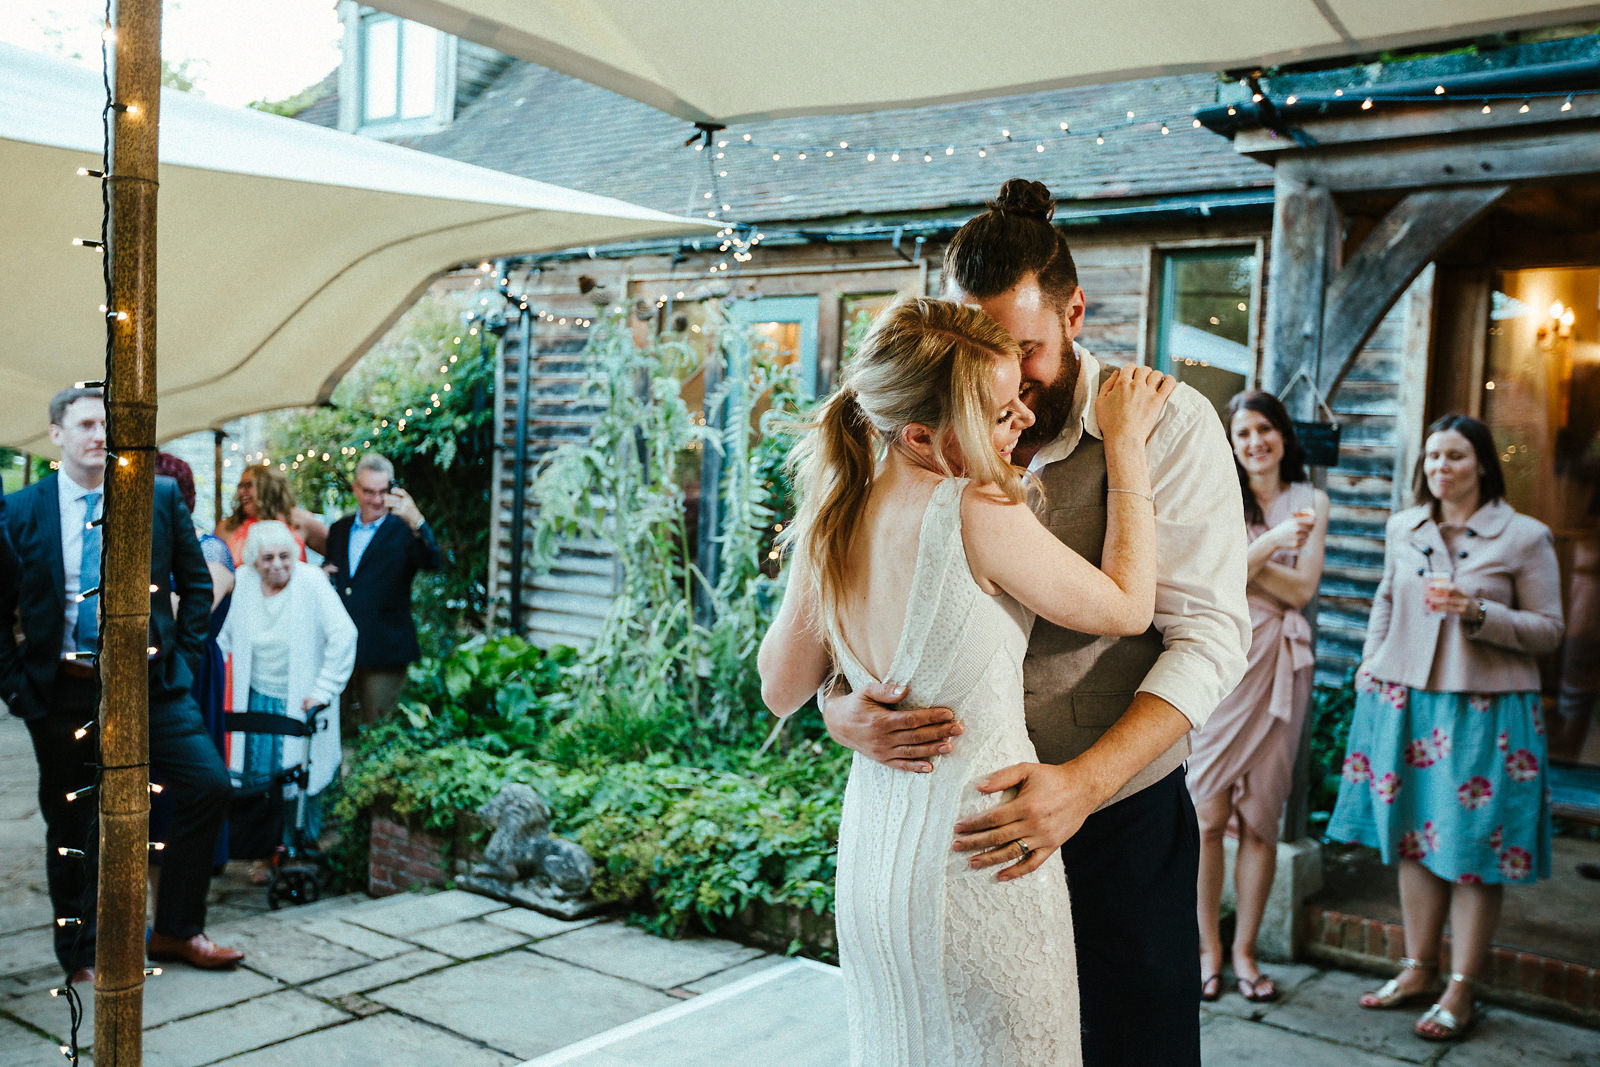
(1243, 760)
(1444, 773)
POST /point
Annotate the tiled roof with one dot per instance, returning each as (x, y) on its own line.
(540, 124)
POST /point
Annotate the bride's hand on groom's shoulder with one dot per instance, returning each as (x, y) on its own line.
(1130, 402)
(906, 738)
(1050, 805)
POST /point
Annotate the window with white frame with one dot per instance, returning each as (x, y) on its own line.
(399, 70)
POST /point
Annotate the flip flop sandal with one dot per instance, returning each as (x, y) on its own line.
(1449, 1027)
(1211, 987)
(1389, 995)
(1250, 989)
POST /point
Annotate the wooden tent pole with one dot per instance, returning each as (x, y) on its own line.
(130, 485)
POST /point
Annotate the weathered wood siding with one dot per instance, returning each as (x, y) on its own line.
(1377, 409)
(567, 605)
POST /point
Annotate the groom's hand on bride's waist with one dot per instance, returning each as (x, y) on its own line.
(1051, 803)
(906, 738)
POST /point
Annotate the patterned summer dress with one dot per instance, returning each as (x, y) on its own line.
(1455, 781)
(944, 966)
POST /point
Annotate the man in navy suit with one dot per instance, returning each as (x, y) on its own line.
(372, 557)
(49, 580)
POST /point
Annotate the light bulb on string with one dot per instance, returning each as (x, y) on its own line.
(1366, 105)
(927, 157)
(1438, 90)
(1099, 138)
(1039, 147)
(1487, 109)
(1523, 110)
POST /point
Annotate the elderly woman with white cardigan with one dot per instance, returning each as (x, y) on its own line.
(293, 647)
(1445, 767)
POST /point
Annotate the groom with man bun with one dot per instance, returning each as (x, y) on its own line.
(1109, 717)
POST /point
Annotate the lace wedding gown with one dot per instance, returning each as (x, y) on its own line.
(944, 966)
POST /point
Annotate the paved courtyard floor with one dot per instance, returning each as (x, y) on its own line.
(450, 978)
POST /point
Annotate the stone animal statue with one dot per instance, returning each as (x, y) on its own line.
(522, 853)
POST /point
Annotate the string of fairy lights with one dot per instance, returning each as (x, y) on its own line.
(1014, 144)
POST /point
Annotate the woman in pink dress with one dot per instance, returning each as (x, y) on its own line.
(1243, 761)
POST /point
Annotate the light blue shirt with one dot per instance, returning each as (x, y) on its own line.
(361, 534)
(70, 496)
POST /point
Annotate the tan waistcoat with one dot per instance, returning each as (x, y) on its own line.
(1077, 685)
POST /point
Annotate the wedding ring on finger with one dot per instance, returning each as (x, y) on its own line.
(1026, 851)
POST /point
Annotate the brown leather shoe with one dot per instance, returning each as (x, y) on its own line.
(198, 951)
(82, 974)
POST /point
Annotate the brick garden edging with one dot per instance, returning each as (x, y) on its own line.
(404, 857)
(1522, 979)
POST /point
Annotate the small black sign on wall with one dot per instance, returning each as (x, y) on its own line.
(1321, 442)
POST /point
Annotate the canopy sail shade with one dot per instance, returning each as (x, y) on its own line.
(723, 61)
(286, 249)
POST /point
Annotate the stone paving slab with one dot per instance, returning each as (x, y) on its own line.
(412, 913)
(395, 969)
(320, 909)
(367, 942)
(177, 992)
(471, 939)
(1226, 1041)
(536, 924)
(1289, 977)
(288, 952)
(389, 1039)
(653, 961)
(1505, 1038)
(792, 1014)
(522, 1003)
(21, 1047)
(26, 950)
(250, 1025)
(737, 973)
(1325, 1007)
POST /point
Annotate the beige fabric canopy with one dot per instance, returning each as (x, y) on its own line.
(285, 249)
(730, 62)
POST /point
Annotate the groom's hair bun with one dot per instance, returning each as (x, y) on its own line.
(1010, 242)
(1019, 196)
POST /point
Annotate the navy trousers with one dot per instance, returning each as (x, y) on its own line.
(182, 758)
(1132, 869)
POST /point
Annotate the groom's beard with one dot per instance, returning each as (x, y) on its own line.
(1051, 403)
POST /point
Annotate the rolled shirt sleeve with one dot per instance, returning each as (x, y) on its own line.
(1201, 572)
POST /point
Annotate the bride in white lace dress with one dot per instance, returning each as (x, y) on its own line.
(916, 563)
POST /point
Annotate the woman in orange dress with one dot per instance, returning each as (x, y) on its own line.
(264, 493)
(1243, 760)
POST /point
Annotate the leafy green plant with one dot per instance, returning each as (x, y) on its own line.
(661, 676)
(423, 397)
(1331, 710)
(684, 847)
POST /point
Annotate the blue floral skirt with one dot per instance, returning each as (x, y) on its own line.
(1455, 781)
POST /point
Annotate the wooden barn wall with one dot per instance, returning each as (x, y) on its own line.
(568, 605)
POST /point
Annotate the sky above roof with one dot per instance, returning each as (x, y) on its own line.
(235, 52)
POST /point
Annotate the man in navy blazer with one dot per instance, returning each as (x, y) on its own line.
(372, 557)
(48, 581)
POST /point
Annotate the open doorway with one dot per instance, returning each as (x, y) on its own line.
(1541, 399)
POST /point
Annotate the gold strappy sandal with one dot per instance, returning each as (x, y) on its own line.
(1389, 995)
(1450, 1028)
